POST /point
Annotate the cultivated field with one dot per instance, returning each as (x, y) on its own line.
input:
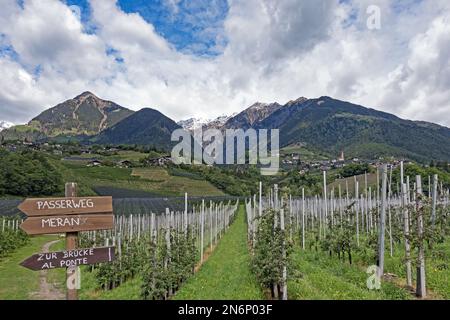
(269, 246)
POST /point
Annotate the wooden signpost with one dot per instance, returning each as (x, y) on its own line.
(69, 215)
(66, 206)
(61, 224)
(71, 258)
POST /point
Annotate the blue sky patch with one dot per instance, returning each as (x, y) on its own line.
(194, 27)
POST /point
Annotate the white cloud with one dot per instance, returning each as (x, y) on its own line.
(274, 51)
(172, 5)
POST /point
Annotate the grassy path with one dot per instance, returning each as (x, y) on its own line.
(49, 286)
(19, 283)
(437, 268)
(321, 277)
(226, 274)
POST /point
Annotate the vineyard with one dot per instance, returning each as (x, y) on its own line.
(161, 249)
(11, 237)
(373, 242)
(134, 205)
(387, 234)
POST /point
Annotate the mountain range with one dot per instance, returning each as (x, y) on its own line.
(192, 124)
(144, 127)
(85, 114)
(324, 124)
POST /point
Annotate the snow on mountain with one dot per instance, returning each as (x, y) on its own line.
(196, 123)
(5, 125)
(193, 123)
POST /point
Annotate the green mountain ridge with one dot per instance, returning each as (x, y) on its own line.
(332, 125)
(144, 127)
(325, 125)
(86, 114)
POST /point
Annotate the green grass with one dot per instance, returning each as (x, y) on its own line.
(70, 175)
(25, 128)
(153, 174)
(371, 182)
(120, 155)
(305, 153)
(16, 282)
(320, 277)
(226, 274)
(155, 180)
(58, 276)
(129, 290)
(437, 268)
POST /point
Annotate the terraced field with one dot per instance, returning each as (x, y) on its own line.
(154, 180)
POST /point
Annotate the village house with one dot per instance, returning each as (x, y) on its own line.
(161, 161)
(124, 164)
(94, 163)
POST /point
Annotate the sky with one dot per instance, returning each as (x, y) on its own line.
(208, 58)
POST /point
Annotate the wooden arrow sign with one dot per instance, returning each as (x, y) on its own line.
(70, 258)
(60, 224)
(72, 205)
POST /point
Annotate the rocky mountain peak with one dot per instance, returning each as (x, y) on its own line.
(296, 101)
(85, 114)
(258, 106)
(196, 123)
(86, 94)
(89, 97)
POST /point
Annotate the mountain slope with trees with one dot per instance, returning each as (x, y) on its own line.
(145, 127)
(333, 126)
(86, 114)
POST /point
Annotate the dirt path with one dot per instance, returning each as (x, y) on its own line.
(47, 291)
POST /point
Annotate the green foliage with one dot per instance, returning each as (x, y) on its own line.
(432, 233)
(178, 172)
(146, 127)
(268, 260)
(312, 182)
(323, 277)
(412, 170)
(361, 132)
(340, 239)
(10, 238)
(28, 173)
(354, 169)
(233, 180)
(130, 264)
(161, 268)
(441, 165)
(167, 268)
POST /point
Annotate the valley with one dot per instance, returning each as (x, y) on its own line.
(225, 158)
(207, 231)
(323, 125)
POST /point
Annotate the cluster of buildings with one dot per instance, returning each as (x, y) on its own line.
(294, 160)
(34, 146)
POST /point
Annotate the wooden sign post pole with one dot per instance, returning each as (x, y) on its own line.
(71, 244)
(68, 215)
